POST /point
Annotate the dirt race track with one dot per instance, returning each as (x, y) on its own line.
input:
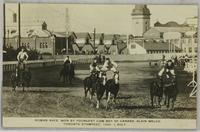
(48, 97)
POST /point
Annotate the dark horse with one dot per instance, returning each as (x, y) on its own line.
(95, 84)
(156, 91)
(170, 91)
(67, 72)
(21, 77)
(100, 87)
(90, 84)
(112, 87)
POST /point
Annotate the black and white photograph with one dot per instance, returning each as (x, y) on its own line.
(97, 64)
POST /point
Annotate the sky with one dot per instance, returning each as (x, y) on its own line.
(105, 18)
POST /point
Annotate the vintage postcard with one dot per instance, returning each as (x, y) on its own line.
(100, 66)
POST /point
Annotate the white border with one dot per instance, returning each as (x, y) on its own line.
(100, 2)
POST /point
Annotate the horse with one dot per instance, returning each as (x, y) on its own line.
(21, 78)
(156, 92)
(170, 91)
(112, 87)
(100, 87)
(67, 72)
(90, 83)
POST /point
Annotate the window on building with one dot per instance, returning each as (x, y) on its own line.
(196, 40)
(136, 22)
(14, 18)
(46, 45)
(195, 49)
(161, 35)
(40, 45)
(184, 50)
(190, 49)
(43, 45)
(133, 46)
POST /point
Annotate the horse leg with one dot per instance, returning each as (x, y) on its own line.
(70, 79)
(98, 102)
(165, 101)
(114, 99)
(23, 85)
(168, 102)
(108, 99)
(152, 101)
(172, 104)
(159, 100)
(14, 86)
(85, 89)
(90, 93)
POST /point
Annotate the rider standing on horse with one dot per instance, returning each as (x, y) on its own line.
(168, 68)
(109, 65)
(94, 67)
(22, 57)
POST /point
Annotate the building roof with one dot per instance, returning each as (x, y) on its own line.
(172, 29)
(156, 46)
(75, 47)
(152, 33)
(155, 32)
(101, 47)
(59, 34)
(140, 10)
(80, 45)
(31, 33)
(82, 35)
(170, 24)
(88, 47)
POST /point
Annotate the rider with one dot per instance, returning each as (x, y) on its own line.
(168, 68)
(94, 66)
(22, 57)
(110, 65)
(67, 60)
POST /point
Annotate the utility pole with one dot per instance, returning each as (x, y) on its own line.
(67, 30)
(94, 39)
(19, 25)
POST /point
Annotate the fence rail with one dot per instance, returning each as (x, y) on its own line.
(84, 59)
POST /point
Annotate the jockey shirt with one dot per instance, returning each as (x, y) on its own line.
(110, 64)
(67, 60)
(170, 67)
(22, 56)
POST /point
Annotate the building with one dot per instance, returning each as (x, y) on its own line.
(171, 32)
(140, 20)
(190, 42)
(150, 47)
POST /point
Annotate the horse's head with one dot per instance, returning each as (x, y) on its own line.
(103, 77)
(94, 75)
(116, 77)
